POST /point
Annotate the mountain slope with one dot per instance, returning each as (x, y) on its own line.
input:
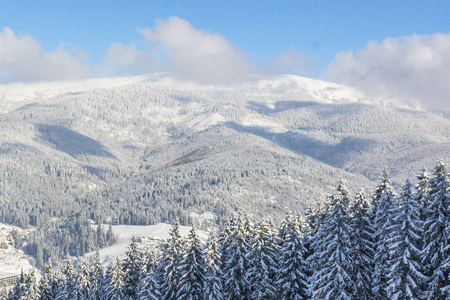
(139, 150)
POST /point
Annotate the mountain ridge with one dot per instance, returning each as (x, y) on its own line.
(265, 145)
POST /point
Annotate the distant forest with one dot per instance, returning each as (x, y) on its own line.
(389, 245)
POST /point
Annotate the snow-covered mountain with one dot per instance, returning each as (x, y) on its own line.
(142, 149)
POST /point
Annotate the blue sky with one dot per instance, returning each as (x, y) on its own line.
(260, 29)
(266, 34)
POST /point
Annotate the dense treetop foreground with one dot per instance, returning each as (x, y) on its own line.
(391, 244)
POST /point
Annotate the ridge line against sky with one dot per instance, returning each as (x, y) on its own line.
(390, 49)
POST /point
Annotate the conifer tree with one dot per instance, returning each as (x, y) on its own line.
(332, 277)
(149, 288)
(422, 188)
(132, 268)
(168, 274)
(263, 262)
(362, 248)
(3, 294)
(234, 261)
(97, 280)
(68, 290)
(115, 288)
(382, 202)
(192, 269)
(45, 285)
(292, 278)
(405, 275)
(150, 261)
(19, 290)
(284, 228)
(213, 282)
(57, 285)
(84, 285)
(437, 237)
(25, 288)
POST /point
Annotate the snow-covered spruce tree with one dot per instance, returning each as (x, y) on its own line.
(25, 288)
(192, 269)
(149, 287)
(168, 271)
(437, 237)
(150, 261)
(45, 284)
(69, 282)
(32, 286)
(84, 285)
(132, 268)
(18, 291)
(234, 261)
(97, 278)
(405, 274)
(115, 288)
(285, 227)
(57, 285)
(362, 247)
(263, 262)
(292, 278)
(213, 281)
(332, 261)
(382, 202)
(421, 194)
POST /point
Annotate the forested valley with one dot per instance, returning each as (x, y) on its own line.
(391, 244)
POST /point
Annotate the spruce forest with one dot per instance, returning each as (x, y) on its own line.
(391, 244)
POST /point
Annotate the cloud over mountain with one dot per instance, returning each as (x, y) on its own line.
(23, 59)
(413, 69)
(195, 55)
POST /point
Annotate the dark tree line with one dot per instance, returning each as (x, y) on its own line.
(72, 236)
(389, 245)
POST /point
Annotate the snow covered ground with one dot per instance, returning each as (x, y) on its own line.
(13, 261)
(126, 233)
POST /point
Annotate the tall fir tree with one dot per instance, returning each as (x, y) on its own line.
(97, 278)
(234, 261)
(405, 275)
(192, 269)
(149, 289)
(362, 247)
(115, 287)
(84, 285)
(332, 277)
(68, 290)
(382, 201)
(132, 267)
(422, 188)
(292, 276)
(168, 270)
(213, 283)
(45, 284)
(437, 236)
(263, 262)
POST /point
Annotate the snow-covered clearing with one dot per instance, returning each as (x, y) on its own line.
(126, 233)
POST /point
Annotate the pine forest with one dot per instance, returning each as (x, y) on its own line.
(393, 243)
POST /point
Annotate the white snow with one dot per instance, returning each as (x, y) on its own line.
(13, 261)
(126, 233)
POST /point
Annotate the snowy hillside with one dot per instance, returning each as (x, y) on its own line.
(140, 150)
(159, 231)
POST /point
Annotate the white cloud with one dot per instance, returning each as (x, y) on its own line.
(289, 62)
(123, 59)
(22, 59)
(413, 69)
(196, 55)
